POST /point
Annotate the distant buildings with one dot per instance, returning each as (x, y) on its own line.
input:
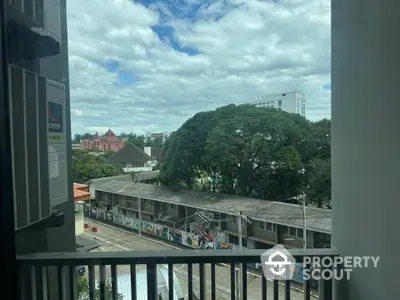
(291, 102)
(163, 135)
(134, 159)
(110, 142)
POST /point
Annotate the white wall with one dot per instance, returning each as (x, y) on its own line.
(366, 143)
(79, 223)
(138, 169)
(289, 101)
(147, 150)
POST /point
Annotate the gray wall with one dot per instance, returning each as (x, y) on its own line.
(167, 210)
(233, 226)
(38, 190)
(37, 177)
(268, 236)
(366, 143)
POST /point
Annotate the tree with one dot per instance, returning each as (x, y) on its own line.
(244, 149)
(86, 166)
(137, 140)
(156, 142)
(318, 142)
(80, 137)
(252, 152)
(318, 188)
(83, 290)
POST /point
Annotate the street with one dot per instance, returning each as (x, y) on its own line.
(115, 239)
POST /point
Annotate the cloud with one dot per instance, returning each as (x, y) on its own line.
(138, 67)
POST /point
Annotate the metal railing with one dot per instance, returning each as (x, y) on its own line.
(37, 272)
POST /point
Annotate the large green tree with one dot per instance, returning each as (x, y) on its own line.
(245, 150)
(317, 158)
(86, 166)
(80, 137)
(250, 151)
(318, 188)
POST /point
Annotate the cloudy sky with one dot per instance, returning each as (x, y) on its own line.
(148, 65)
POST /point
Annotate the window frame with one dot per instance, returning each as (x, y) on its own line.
(291, 233)
(302, 232)
(259, 223)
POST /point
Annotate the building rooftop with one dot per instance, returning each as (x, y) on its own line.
(109, 133)
(156, 152)
(81, 195)
(125, 177)
(257, 209)
(80, 186)
(130, 154)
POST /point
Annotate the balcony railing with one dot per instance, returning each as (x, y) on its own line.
(36, 270)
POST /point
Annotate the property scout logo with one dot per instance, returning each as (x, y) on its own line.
(278, 264)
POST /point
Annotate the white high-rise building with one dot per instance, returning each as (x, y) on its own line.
(291, 102)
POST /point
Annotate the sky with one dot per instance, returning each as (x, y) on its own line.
(148, 66)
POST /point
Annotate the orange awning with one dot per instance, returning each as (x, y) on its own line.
(81, 187)
(81, 195)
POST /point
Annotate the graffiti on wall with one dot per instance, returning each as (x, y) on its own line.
(128, 222)
(93, 212)
(222, 245)
(136, 224)
(148, 228)
(175, 236)
(86, 210)
(109, 216)
(161, 232)
(118, 219)
(184, 238)
(298, 273)
(101, 213)
(190, 240)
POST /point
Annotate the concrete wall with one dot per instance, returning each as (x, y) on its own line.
(366, 143)
(79, 229)
(232, 225)
(45, 239)
(167, 210)
(266, 235)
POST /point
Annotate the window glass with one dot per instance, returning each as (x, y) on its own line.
(292, 231)
(261, 225)
(299, 232)
(268, 226)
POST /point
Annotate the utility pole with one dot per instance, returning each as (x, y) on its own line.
(238, 277)
(304, 241)
(140, 205)
(241, 220)
(304, 224)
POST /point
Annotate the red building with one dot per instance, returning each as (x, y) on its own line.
(110, 142)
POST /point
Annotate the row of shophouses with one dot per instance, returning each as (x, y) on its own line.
(202, 220)
(210, 220)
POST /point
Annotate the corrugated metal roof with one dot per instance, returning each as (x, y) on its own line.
(258, 209)
(126, 177)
